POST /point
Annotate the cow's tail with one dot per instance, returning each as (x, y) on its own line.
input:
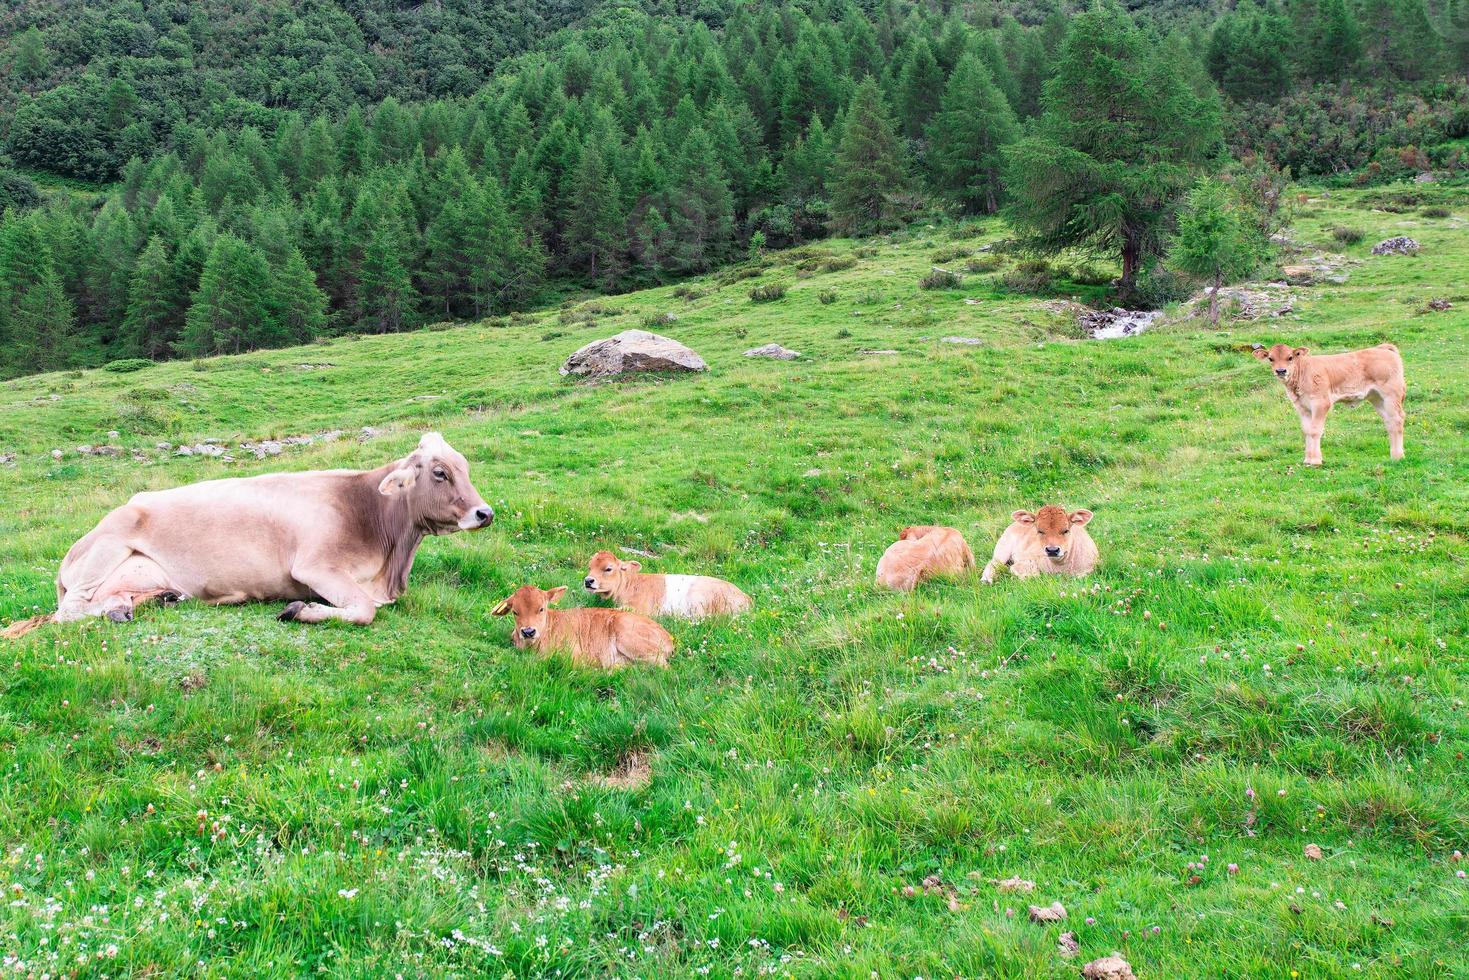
(21, 627)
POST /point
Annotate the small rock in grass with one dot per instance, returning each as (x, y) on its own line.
(1015, 884)
(1313, 851)
(1108, 968)
(1398, 245)
(1067, 944)
(1055, 912)
(774, 352)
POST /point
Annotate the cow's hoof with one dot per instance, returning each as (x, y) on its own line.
(171, 598)
(120, 615)
(291, 612)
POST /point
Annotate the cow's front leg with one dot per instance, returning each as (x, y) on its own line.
(345, 599)
(1313, 424)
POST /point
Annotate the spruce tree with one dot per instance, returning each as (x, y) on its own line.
(155, 313)
(386, 298)
(920, 89)
(297, 304)
(700, 209)
(596, 228)
(868, 169)
(1212, 244)
(1119, 143)
(230, 312)
(967, 136)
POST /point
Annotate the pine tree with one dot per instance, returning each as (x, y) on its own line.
(1212, 243)
(700, 209)
(386, 298)
(230, 312)
(967, 136)
(868, 169)
(37, 323)
(155, 313)
(297, 305)
(920, 87)
(1119, 143)
(596, 228)
(1249, 54)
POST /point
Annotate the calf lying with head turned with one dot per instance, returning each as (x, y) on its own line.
(1316, 382)
(1048, 542)
(595, 637)
(921, 553)
(687, 596)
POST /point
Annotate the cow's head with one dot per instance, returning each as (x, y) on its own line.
(606, 572)
(915, 532)
(434, 482)
(1053, 526)
(1282, 359)
(528, 605)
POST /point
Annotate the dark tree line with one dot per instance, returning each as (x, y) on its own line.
(630, 149)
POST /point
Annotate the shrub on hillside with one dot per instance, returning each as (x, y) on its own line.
(768, 293)
(655, 320)
(1436, 212)
(1347, 236)
(1028, 276)
(827, 297)
(127, 364)
(953, 254)
(837, 263)
(941, 279)
(981, 264)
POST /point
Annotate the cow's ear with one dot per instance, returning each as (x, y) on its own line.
(1301, 351)
(554, 595)
(1260, 352)
(397, 481)
(501, 608)
(1080, 517)
(904, 532)
(632, 566)
(1023, 517)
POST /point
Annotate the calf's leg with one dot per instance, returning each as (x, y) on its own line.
(1389, 405)
(1313, 424)
(345, 599)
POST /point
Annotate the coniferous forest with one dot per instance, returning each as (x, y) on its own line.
(186, 179)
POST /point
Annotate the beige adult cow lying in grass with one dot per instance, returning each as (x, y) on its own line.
(1314, 383)
(685, 596)
(595, 637)
(921, 553)
(335, 543)
(1048, 542)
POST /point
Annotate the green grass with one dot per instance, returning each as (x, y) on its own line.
(215, 793)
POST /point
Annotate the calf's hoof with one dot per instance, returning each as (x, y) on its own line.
(171, 598)
(120, 615)
(291, 612)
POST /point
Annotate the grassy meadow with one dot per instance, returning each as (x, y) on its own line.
(1270, 656)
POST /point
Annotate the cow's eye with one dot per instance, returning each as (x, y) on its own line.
(543, 609)
(1066, 530)
(439, 474)
(607, 569)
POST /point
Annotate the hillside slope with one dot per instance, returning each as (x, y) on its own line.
(1269, 656)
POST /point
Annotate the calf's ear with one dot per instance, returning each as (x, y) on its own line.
(554, 595)
(1080, 517)
(1023, 516)
(632, 566)
(501, 608)
(398, 480)
(1299, 351)
(1260, 352)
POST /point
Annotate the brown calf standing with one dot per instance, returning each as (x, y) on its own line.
(921, 553)
(595, 637)
(1314, 383)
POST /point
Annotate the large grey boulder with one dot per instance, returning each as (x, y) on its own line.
(1400, 245)
(632, 351)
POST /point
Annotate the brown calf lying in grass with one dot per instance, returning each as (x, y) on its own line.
(920, 553)
(1314, 383)
(596, 637)
(1048, 542)
(688, 596)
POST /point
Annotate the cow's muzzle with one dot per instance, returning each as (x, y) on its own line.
(529, 632)
(1280, 372)
(477, 518)
(589, 583)
(1054, 553)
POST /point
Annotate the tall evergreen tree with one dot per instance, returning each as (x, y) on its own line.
(700, 208)
(920, 88)
(1121, 139)
(230, 312)
(967, 136)
(155, 312)
(868, 169)
(596, 229)
(1212, 243)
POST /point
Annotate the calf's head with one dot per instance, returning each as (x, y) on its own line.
(606, 573)
(1282, 359)
(1052, 526)
(434, 482)
(528, 605)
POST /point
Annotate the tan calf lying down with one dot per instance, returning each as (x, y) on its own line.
(596, 637)
(1048, 542)
(920, 553)
(688, 596)
(1314, 383)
